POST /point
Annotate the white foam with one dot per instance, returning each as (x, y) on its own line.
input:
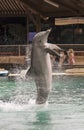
(7, 106)
(32, 101)
(12, 106)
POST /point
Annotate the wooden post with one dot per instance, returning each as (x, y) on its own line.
(38, 25)
(27, 48)
(27, 29)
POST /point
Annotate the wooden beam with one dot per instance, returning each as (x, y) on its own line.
(35, 18)
(61, 14)
(32, 8)
(32, 17)
(38, 26)
(36, 21)
(69, 7)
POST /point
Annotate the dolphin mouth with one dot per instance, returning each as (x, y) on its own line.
(48, 31)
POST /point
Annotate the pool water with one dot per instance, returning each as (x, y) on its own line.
(64, 109)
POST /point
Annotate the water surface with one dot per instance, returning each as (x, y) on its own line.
(63, 111)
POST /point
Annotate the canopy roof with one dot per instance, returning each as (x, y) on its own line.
(44, 8)
(11, 7)
(56, 8)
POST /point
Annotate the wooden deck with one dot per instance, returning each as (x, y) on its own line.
(79, 60)
(12, 60)
(21, 60)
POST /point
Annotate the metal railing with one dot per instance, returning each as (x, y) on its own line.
(14, 50)
(23, 50)
(75, 47)
(78, 48)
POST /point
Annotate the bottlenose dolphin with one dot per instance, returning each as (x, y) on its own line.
(41, 67)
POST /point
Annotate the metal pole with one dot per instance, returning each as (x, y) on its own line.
(27, 47)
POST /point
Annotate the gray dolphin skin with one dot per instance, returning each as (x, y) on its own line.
(41, 67)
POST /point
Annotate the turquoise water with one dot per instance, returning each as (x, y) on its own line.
(64, 109)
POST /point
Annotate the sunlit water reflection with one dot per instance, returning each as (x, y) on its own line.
(63, 111)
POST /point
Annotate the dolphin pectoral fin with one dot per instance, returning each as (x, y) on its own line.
(52, 49)
(53, 46)
(52, 52)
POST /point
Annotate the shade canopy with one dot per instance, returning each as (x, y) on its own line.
(43, 8)
(56, 8)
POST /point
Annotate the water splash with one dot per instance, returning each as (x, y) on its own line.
(31, 106)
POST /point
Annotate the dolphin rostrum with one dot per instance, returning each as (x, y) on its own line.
(41, 67)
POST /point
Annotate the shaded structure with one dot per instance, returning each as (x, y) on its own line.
(56, 8)
(37, 10)
(44, 9)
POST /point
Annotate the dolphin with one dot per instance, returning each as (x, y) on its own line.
(41, 67)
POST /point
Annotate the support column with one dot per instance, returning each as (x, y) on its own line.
(27, 47)
(38, 23)
(27, 29)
